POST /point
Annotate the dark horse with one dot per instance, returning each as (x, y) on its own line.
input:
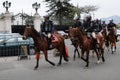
(41, 44)
(112, 39)
(105, 34)
(75, 42)
(85, 44)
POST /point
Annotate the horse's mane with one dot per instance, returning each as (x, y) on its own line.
(82, 31)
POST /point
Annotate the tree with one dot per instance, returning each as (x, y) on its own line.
(59, 9)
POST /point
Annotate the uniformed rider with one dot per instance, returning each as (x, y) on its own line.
(47, 28)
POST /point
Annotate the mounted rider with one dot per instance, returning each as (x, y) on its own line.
(111, 25)
(77, 22)
(47, 29)
(104, 25)
(92, 29)
(87, 22)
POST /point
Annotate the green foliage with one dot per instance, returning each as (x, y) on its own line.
(118, 26)
(60, 9)
(64, 11)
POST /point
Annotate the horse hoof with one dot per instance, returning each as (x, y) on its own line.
(98, 62)
(86, 66)
(53, 64)
(58, 64)
(103, 60)
(66, 59)
(35, 68)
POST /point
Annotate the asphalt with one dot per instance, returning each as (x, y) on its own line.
(12, 69)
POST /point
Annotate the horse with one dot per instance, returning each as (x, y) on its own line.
(104, 32)
(85, 44)
(74, 43)
(102, 37)
(112, 39)
(41, 44)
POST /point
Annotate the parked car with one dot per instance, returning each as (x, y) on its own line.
(11, 44)
(65, 35)
(118, 34)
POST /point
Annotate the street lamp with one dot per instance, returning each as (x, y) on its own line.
(36, 6)
(6, 5)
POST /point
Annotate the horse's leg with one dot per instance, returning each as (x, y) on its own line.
(46, 57)
(114, 46)
(87, 58)
(74, 54)
(92, 53)
(78, 52)
(102, 52)
(60, 60)
(82, 55)
(64, 52)
(97, 56)
(37, 58)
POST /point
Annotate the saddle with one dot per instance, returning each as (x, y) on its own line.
(53, 37)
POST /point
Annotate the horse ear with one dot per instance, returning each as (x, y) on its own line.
(70, 27)
(28, 26)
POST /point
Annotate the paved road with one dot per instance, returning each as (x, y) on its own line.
(12, 69)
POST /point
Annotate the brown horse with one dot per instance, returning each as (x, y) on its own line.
(75, 42)
(112, 39)
(41, 44)
(85, 44)
(105, 34)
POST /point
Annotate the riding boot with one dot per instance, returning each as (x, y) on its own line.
(49, 42)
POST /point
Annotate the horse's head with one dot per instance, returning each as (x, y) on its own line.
(105, 32)
(113, 30)
(27, 32)
(73, 34)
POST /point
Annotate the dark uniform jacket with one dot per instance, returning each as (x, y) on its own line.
(110, 25)
(47, 27)
(77, 24)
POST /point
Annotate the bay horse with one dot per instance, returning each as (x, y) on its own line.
(75, 43)
(112, 39)
(105, 34)
(41, 44)
(86, 44)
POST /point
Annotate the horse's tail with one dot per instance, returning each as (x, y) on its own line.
(65, 52)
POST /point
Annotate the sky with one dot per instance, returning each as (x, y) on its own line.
(106, 7)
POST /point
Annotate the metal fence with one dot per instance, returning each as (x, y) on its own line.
(14, 45)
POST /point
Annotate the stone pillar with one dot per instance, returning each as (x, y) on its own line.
(37, 21)
(7, 22)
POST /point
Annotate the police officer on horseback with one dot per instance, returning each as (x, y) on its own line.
(111, 25)
(47, 29)
(94, 27)
(77, 22)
